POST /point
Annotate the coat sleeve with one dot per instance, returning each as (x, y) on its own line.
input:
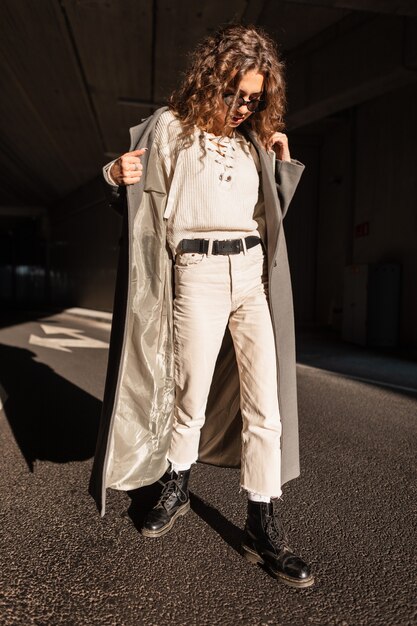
(287, 177)
(115, 195)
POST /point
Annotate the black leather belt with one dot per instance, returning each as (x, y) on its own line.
(220, 246)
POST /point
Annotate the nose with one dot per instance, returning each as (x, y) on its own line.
(244, 104)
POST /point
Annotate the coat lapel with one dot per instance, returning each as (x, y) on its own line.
(140, 136)
(273, 215)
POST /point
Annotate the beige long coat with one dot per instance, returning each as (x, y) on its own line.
(139, 393)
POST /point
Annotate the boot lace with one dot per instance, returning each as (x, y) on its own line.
(171, 487)
(275, 529)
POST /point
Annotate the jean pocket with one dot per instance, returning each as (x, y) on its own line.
(188, 259)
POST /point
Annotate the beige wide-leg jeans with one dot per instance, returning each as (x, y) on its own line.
(211, 292)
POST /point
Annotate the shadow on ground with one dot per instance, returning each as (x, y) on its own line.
(143, 499)
(51, 418)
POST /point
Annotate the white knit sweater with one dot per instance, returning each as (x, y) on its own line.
(210, 196)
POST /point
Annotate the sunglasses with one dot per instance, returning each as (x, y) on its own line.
(252, 105)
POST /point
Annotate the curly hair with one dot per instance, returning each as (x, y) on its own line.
(233, 48)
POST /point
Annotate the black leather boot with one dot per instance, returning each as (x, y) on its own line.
(173, 502)
(265, 542)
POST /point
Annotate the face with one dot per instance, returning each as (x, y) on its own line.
(250, 88)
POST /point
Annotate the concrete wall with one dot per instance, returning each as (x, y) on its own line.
(368, 168)
(301, 229)
(336, 189)
(386, 192)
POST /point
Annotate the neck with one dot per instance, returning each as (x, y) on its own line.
(223, 131)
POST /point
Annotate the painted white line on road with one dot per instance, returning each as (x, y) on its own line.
(100, 315)
(57, 343)
(359, 378)
(87, 322)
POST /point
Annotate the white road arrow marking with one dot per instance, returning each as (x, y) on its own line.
(56, 343)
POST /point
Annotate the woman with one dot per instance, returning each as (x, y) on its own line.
(188, 351)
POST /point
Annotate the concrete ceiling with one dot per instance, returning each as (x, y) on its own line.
(76, 74)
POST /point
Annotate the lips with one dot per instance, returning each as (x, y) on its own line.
(237, 119)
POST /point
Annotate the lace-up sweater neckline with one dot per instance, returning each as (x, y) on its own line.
(213, 192)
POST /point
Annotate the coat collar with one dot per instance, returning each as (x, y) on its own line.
(273, 213)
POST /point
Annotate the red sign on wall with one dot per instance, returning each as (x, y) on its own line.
(362, 230)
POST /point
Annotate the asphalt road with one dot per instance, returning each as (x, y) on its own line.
(351, 514)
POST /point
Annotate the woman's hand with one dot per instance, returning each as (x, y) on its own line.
(279, 143)
(127, 170)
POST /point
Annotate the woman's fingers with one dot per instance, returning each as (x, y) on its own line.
(278, 138)
(138, 152)
(129, 180)
(279, 143)
(130, 164)
(127, 170)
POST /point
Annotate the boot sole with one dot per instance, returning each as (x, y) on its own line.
(253, 557)
(165, 529)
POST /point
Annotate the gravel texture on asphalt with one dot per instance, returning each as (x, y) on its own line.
(351, 513)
